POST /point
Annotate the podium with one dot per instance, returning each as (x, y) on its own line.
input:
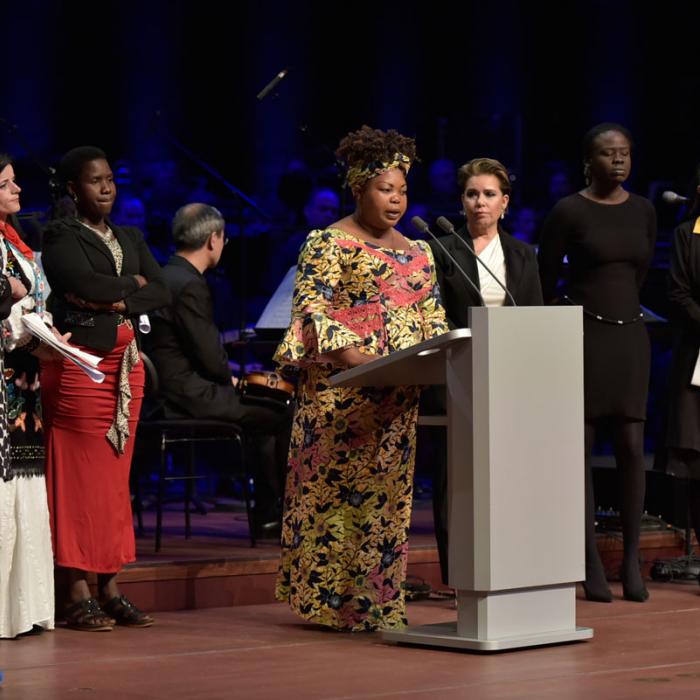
(515, 422)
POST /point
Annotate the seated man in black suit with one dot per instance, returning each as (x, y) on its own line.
(192, 364)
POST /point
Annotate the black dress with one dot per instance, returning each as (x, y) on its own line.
(609, 249)
(684, 293)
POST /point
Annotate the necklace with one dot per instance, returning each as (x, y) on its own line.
(107, 235)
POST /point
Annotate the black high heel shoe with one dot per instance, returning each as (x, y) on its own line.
(597, 595)
(636, 595)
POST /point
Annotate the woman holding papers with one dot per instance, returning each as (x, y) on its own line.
(102, 276)
(608, 235)
(683, 439)
(26, 559)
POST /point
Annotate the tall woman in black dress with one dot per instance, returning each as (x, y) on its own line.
(608, 235)
(683, 438)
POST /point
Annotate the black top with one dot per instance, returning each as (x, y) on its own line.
(684, 293)
(6, 300)
(184, 342)
(76, 260)
(609, 248)
(522, 278)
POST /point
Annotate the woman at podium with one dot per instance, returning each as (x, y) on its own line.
(362, 290)
(608, 235)
(486, 189)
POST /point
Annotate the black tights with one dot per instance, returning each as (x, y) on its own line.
(628, 445)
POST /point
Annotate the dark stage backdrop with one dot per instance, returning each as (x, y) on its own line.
(518, 81)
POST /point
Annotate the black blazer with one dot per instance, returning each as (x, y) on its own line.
(186, 348)
(684, 294)
(76, 260)
(522, 276)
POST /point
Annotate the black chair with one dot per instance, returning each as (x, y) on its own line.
(187, 431)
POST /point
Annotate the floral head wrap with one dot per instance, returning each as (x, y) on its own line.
(360, 173)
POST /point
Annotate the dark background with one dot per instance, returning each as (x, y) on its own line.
(518, 81)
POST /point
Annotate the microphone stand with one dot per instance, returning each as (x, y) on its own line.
(270, 90)
(447, 227)
(423, 227)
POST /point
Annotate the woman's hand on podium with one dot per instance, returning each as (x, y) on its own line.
(351, 357)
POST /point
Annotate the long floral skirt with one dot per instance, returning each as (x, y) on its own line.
(348, 504)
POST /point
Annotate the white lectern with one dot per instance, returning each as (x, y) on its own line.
(515, 472)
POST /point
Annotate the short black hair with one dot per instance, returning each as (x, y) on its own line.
(73, 162)
(367, 145)
(593, 133)
(694, 196)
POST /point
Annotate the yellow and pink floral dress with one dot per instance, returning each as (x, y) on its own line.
(350, 480)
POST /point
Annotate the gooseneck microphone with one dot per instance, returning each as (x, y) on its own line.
(447, 227)
(272, 84)
(423, 227)
(673, 198)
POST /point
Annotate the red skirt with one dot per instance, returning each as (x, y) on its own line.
(86, 479)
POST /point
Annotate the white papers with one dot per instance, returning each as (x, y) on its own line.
(695, 381)
(278, 312)
(87, 362)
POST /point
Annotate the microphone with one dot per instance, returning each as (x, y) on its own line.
(272, 84)
(423, 227)
(447, 227)
(672, 198)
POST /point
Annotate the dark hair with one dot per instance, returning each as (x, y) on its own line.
(73, 162)
(484, 166)
(194, 223)
(597, 130)
(694, 196)
(5, 160)
(367, 145)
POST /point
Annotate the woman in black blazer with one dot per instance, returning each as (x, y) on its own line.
(102, 278)
(485, 187)
(683, 438)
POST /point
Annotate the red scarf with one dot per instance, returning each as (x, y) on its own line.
(13, 237)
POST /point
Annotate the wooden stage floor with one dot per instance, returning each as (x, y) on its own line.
(217, 567)
(649, 650)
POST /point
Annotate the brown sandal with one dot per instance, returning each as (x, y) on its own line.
(87, 616)
(126, 613)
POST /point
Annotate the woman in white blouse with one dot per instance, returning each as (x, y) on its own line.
(486, 189)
